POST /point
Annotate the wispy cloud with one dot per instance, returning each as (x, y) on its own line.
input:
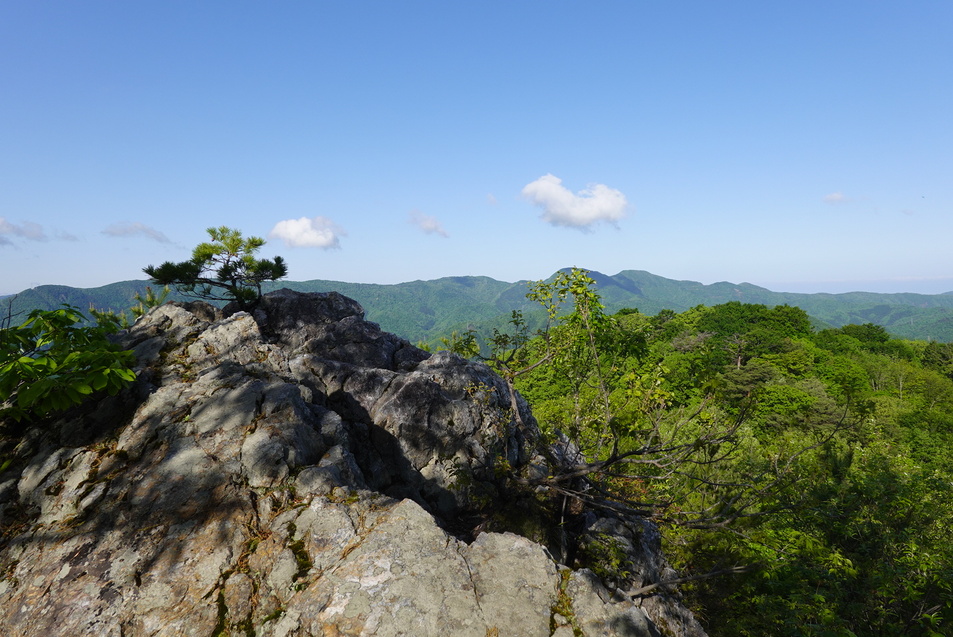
(835, 198)
(135, 230)
(581, 210)
(316, 232)
(491, 199)
(26, 230)
(428, 224)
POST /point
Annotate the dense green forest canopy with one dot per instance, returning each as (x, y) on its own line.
(830, 495)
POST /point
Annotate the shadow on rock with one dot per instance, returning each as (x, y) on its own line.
(277, 473)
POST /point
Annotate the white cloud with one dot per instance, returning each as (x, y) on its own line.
(135, 230)
(317, 232)
(25, 230)
(563, 208)
(491, 199)
(427, 223)
(835, 198)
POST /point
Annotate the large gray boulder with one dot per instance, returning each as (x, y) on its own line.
(292, 472)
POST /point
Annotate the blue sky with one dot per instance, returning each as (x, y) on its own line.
(801, 146)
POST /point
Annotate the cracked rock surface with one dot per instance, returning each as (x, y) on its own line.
(292, 472)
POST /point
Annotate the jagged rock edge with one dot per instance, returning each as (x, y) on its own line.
(151, 368)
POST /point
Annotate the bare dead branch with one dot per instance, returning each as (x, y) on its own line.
(646, 590)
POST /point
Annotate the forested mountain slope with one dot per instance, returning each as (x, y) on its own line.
(801, 476)
(427, 310)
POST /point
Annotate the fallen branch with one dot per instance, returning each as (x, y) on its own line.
(645, 590)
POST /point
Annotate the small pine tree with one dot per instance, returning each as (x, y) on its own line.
(224, 269)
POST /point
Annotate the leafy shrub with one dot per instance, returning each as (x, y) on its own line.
(52, 361)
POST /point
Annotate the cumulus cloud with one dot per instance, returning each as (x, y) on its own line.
(835, 198)
(316, 232)
(25, 230)
(581, 210)
(135, 230)
(427, 223)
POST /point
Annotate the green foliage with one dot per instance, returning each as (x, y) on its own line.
(820, 462)
(465, 344)
(149, 301)
(868, 334)
(143, 305)
(859, 548)
(224, 269)
(939, 356)
(592, 377)
(52, 361)
(572, 354)
(853, 540)
(605, 555)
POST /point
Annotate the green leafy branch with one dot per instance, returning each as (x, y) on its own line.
(52, 361)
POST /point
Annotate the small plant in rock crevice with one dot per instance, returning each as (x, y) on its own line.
(563, 606)
(302, 558)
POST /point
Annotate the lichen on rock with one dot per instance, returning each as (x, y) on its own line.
(295, 471)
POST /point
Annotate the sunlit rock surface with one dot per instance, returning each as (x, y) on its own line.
(293, 472)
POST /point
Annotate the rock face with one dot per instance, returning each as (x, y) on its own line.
(295, 472)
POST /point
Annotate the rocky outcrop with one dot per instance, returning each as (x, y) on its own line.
(298, 472)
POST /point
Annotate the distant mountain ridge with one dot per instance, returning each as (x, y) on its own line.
(427, 310)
